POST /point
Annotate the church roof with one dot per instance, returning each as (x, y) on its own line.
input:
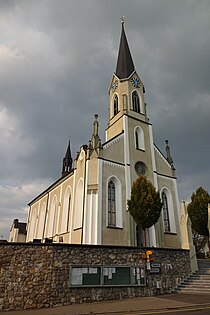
(68, 152)
(67, 161)
(125, 64)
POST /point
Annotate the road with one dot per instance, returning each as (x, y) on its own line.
(186, 311)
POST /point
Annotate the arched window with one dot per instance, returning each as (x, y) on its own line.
(135, 102)
(111, 204)
(114, 203)
(32, 225)
(54, 209)
(41, 222)
(78, 211)
(139, 138)
(115, 105)
(51, 217)
(66, 210)
(165, 213)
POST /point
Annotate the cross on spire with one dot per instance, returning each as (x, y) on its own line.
(122, 19)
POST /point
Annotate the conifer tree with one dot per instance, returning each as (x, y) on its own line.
(145, 204)
(198, 211)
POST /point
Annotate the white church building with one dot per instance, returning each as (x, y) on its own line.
(88, 203)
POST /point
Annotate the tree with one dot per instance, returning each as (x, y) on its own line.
(198, 213)
(145, 204)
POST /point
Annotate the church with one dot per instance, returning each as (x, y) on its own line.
(88, 203)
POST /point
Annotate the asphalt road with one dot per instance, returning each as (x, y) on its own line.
(188, 311)
(181, 312)
(163, 304)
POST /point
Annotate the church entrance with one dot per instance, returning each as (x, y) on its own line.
(139, 236)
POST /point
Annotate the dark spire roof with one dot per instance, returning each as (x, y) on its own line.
(67, 161)
(68, 151)
(125, 64)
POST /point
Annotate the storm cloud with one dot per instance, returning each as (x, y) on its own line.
(57, 59)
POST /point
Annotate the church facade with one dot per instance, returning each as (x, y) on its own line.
(88, 204)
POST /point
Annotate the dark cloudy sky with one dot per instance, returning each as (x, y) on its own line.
(56, 62)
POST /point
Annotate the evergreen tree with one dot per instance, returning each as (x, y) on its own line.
(145, 204)
(198, 211)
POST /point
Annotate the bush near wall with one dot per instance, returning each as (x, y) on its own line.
(37, 275)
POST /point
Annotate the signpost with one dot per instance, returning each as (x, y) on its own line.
(151, 265)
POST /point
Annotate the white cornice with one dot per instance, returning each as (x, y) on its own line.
(113, 164)
(166, 176)
(111, 142)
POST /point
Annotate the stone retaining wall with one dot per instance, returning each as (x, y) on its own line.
(37, 275)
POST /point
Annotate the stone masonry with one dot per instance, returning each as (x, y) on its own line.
(37, 275)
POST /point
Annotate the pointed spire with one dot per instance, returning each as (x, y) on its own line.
(67, 161)
(125, 64)
(95, 125)
(168, 156)
(95, 142)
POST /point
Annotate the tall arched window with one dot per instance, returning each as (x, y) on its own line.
(51, 217)
(165, 213)
(114, 216)
(139, 138)
(54, 209)
(78, 211)
(66, 210)
(136, 102)
(115, 105)
(32, 225)
(41, 221)
(111, 204)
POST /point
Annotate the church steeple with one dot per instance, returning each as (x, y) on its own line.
(125, 64)
(67, 162)
(126, 92)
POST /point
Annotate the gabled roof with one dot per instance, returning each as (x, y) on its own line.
(125, 64)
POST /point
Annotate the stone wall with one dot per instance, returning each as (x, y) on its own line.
(37, 275)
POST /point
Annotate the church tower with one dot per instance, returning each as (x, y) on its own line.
(129, 143)
(127, 116)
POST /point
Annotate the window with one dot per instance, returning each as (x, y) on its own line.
(41, 222)
(78, 211)
(136, 102)
(32, 225)
(51, 218)
(139, 138)
(115, 105)
(54, 209)
(66, 210)
(111, 204)
(165, 213)
(114, 214)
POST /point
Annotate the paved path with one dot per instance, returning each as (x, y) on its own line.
(128, 306)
